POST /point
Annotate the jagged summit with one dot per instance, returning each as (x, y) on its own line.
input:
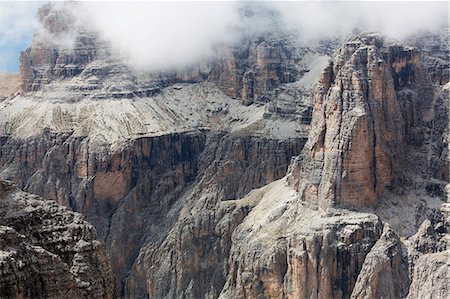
(357, 157)
(183, 172)
(47, 251)
(66, 89)
(357, 141)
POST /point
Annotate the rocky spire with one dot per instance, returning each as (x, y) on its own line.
(357, 138)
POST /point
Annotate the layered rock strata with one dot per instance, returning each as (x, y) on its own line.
(164, 164)
(384, 273)
(357, 141)
(284, 249)
(48, 251)
(144, 181)
(117, 146)
(250, 70)
(436, 49)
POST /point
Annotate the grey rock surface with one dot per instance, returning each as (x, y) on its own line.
(183, 173)
(48, 251)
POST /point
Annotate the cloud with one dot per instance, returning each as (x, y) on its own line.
(18, 22)
(60, 24)
(163, 35)
(397, 19)
(155, 35)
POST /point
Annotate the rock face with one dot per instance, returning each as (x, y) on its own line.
(47, 251)
(357, 140)
(170, 144)
(183, 174)
(110, 188)
(66, 88)
(287, 250)
(384, 273)
(252, 71)
(369, 136)
(430, 255)
(204, 220)
(59, 50)
(430, 276)
(436, 49)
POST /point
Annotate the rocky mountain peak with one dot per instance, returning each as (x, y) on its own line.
(48, 251)
(249, 69)
(182, 172)
(356, 145)
(61, 47)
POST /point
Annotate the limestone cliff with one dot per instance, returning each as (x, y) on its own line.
(384, 273)
(435, 47)
(132, 151)
(48, 251)
(148, 180)
(183, 174)
(284, 249)
(249, 70)
(59, 50)
(252, 71)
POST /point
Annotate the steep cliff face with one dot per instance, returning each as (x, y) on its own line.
(229, 167)
(429, 252)
(146, 181)
(84, 90)
(430, 276)
(357, 143)
(183, 173)
(384, 273)
(362, 138)
(61, 48)
(164, 149)
(252, 71)
(47, 251)
(435, 47)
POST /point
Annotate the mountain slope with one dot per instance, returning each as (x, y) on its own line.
(267, 171)
(47, 251)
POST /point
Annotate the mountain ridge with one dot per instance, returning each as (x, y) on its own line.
(258, 175)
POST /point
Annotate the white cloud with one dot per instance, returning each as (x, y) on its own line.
(397, 19)
(154, 35)
(160, 35)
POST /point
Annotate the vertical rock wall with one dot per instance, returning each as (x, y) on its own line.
(356, 146)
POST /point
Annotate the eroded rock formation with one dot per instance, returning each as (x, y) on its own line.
(430, 276)
(384, 273)
(284, 249)
(183, 173)
(357, 140)
(48, 251)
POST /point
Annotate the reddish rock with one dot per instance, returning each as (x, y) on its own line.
(356, 146)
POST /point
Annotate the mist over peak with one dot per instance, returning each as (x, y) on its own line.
(226, 150)
(152, 36)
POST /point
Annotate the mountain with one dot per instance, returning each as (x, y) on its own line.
(48, 251)
(276, 169)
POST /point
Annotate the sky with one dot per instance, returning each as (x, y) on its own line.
(157, 35)
(17, 24)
